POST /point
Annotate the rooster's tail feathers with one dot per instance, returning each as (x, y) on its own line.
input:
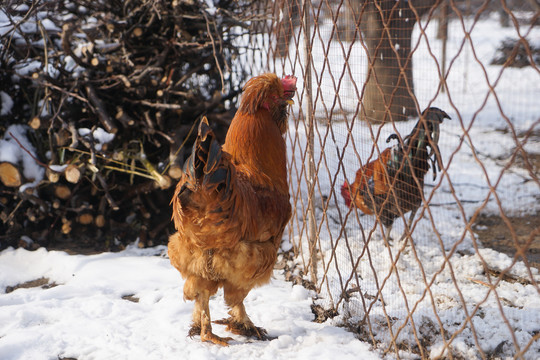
(208, 174)
(205, 167)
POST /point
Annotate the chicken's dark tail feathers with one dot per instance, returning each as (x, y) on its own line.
(206, 168)
(436, 116)
(420, 137)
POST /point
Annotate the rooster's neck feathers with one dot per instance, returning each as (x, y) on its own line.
(255, 138)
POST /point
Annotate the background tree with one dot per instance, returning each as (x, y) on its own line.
(387, 26)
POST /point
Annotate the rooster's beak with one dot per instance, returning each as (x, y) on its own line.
(290, 101)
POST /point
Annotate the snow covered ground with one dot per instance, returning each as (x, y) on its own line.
(85, 312)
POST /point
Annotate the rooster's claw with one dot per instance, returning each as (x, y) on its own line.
(244, 329)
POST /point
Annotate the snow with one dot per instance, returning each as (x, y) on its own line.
(58, 168)
(98, 134)
(11, 151)
(85, 317)
(49, 25)
(25, 69)
(6, 103)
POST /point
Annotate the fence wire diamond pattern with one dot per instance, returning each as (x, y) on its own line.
(462, 280)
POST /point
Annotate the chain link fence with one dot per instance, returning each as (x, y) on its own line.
(460, 278)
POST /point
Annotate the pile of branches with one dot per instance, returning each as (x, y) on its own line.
(516, 53)
(109, 93)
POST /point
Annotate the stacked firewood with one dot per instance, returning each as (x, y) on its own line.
(103, 97)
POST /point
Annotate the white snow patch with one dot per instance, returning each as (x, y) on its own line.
(100, 136)
(6, 103)
(85, 316)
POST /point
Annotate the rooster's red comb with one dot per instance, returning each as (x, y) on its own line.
(289, 83)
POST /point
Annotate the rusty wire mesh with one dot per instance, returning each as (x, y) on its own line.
(463, 283)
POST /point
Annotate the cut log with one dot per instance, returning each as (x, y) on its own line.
(10, 175)
(35, 123)
(85, 218)
(56, 204)
(31, 215)
(175, 172)
(62, 192)
(100, 221)
(66, 226)
(53, 176)
(72, 173)
(4, 216)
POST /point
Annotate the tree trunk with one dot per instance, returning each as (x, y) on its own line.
(387, 26)
(288, 12)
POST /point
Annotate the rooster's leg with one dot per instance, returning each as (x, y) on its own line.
(206, 331)
(407, 229)
(200, 290)
(386, 234)
(239, 322)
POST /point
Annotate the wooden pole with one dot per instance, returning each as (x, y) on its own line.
(443, 35)
(311, 176)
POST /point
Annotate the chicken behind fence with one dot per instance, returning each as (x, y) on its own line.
(393, 184)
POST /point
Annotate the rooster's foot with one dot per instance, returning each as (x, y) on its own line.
(194, 330)
(213, 338)
(205, 331)
(244, 329)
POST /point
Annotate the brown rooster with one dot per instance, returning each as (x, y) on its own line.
(231, 206)
(392, 185)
